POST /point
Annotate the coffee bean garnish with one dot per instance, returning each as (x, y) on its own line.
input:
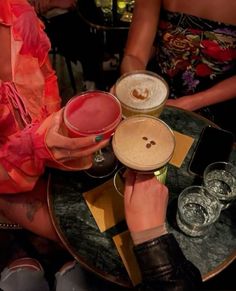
(149, 144)
(141, 94)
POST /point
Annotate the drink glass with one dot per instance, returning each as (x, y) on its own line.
(144, 144)
(220, 180)
(94, 113)
(119, 182)
(197, 211)
(141, 92)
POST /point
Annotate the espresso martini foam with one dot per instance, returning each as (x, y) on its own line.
(143, 143)
(141, 91)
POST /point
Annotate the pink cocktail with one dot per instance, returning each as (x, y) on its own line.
(95, 113)
(92, 113)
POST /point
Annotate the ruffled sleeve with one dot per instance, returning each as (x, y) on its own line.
(5, 14)
(30, 30)
(22, 157)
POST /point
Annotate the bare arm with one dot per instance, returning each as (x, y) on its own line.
(141, 35)
(42, 6)
(222, 91)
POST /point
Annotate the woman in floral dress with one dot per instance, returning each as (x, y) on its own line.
(195, 48)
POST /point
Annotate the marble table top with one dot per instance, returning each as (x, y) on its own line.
(96, 251)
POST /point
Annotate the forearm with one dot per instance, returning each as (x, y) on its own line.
(43, 6)
(222, 91)
(141, 35)
(164, 266)
(131, 63)
(62, 4)
(52, 4)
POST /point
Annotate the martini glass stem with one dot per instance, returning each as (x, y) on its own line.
(99, 158)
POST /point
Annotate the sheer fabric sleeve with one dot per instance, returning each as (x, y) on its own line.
(23, 157)
(5, 15)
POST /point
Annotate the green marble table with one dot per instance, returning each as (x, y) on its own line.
(96, 251)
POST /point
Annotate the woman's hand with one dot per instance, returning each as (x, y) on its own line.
(146, 201)
(186, 102)
(64, 148)
(64, 4)
(42, 6)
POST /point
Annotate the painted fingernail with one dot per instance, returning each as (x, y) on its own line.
(98, 138)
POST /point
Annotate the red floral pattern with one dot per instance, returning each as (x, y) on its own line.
(194, 53)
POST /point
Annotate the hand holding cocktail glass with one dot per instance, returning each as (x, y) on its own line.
(142, 216)
(144, 144)
(97, 114)
(73, 152)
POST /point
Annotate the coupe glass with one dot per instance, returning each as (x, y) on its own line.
(143, 94)
(95, 113)
(144, 144)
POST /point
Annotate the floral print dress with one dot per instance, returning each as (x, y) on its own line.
(193, 53)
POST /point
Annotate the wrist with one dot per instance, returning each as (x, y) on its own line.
(131, 63)
(51, 4)
(148, 234)
(198, 100)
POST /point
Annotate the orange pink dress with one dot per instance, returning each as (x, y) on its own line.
(25, 101)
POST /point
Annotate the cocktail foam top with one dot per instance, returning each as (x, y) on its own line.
(143, 143)
(141, 90)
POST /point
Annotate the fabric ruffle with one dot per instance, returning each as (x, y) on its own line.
(26, 28)
(26, 151)
(5, 14)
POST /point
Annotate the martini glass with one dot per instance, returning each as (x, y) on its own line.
(142, 93)
(95, 113)
(144, 144)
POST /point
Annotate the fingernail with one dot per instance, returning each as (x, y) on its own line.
(99, 138)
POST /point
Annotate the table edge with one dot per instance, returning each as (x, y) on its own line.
(66, 244)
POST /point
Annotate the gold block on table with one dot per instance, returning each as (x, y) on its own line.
(106, 205)
(183, 144)
(124, 246)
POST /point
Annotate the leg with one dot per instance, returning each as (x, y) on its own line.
(72, 277)
(24, 274)
(30, 210)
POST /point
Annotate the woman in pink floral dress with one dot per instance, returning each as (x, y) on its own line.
(30, 121)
